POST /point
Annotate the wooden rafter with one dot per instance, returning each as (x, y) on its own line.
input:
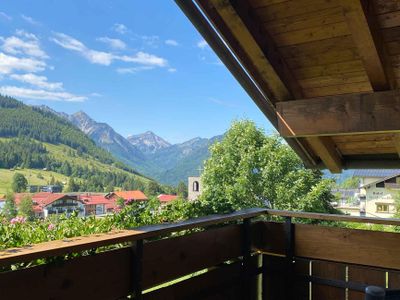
(327, 152)
(362, 23)
(340, 115)
(262, 56)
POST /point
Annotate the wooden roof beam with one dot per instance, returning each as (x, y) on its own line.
(362, 23)
(340, 115)
(328, 153)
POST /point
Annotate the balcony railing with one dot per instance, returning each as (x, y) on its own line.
(237, 256)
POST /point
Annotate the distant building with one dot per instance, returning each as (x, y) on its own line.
(166, 199)
(45, 204)
(376, 195)
(194, 187)
(44, 188)
(129, 196)
(95, 204)
(348, 201)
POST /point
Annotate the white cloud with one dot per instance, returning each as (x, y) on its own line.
(96, 57)
(38, 81)
(144, 58)
(172, 70)
(4, 16)
(24, 43)
(10, 64)
(25, 93)
(30, 20)
(120, 28)
(134, 70)
(106, 58)
(113, 43)
(202, 44)
(171, 43)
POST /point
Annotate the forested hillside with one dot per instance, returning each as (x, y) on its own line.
(31, 138)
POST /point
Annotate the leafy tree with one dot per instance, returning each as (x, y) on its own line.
(120, 202)
(249, 169)
(350, 183)
(19, 183)
(152, 188)
(182, 190)
(10, 209)
(26, 208)
(72, 186)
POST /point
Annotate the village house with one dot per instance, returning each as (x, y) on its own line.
(128, 196)
(166, 199)
(378, 198)
(95, 204)
(46, 204)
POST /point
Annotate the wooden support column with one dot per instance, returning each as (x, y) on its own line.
(362, 23)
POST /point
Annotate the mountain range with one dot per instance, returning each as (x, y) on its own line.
(148, 153)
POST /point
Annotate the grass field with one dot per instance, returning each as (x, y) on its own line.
(60, 153)
(31, 175)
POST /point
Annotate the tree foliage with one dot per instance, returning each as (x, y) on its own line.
(10, 209)
(249, 169)
(26, 208)
(19, 183)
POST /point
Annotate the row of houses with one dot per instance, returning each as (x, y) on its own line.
(376, 196)
(84, 204)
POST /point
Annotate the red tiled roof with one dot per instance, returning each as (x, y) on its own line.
(131, 195)
(166, 198)
(40, 200)
(94, 199)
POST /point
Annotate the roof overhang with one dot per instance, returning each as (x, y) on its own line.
(325, 73)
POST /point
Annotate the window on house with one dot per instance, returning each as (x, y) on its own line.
(195, 186)
(384, 208)
(380, 184)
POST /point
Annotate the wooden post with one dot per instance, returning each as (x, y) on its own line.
(137, 250)
(289, 252)
(246, 250)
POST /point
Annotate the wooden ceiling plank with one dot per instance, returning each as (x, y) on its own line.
(327, 152)
(362, 22)
(340, 115)
(262, 51)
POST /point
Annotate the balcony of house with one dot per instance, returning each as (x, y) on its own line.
(249, 254)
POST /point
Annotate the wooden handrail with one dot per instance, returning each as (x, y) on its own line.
(81, 243)
(333, 217)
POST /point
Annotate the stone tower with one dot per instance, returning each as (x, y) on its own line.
(194, 187)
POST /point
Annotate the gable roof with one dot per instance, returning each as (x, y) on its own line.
(327, 84)
(166, 198)
(375, 172)
(381, 180)
(131, 195)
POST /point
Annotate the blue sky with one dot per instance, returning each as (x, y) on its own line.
(136, 65)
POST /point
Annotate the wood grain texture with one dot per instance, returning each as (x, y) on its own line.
(327, 151)
(337, 115)
(366, 276)
(328, 270)
(102, 276)
(362, 22)
(348, 246)
(220, 283)
(171, 258)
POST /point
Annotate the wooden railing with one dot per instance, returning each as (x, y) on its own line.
(233, 258)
